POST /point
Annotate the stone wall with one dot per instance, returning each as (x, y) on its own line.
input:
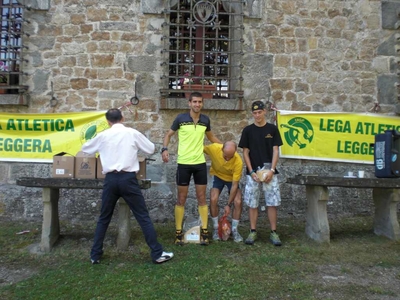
(17, 202)
(336, 56)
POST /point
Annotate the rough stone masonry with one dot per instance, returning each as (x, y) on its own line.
(303, 55)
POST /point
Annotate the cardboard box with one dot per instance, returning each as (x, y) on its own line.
(63, 165)
(192, 235)
(141, 174)
(99, 169)
(85, 166)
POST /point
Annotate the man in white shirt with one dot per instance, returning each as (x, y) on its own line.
(118, 147)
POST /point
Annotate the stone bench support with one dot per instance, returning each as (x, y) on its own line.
(386, 196)
(51, 222)
(317, 225)
(50, 196)
(385, 220)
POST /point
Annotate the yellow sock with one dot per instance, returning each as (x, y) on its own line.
(179, 213)
(203, 212)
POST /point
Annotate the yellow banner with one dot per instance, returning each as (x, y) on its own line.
(345, 137)
(37, 137)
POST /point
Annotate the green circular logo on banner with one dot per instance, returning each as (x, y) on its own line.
(299, 132)
(91, 129)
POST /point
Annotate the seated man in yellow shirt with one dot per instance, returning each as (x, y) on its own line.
(227, 168)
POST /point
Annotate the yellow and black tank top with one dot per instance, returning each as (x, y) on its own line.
(191, 138)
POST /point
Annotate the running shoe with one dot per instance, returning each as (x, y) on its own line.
(237, 237)
(216, 235)
(165, 256)
(204, 237)
(179, 238)
(274, 238)
(251, 238)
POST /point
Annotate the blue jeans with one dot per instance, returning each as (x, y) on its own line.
(124, 185)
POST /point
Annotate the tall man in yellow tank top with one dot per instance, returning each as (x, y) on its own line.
(192, 127)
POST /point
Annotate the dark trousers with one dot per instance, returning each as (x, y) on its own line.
(124, 185)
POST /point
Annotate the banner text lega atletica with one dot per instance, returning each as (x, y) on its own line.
(37, 137)
(33, 145)
(364, 128)
(39, 125)
(332, 136)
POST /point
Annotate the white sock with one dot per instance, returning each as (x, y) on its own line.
(215, 222)
(235, 224)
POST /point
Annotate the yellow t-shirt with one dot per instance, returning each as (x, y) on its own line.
(226, 170)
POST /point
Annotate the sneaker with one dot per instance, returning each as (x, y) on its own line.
(179, 238)
(237, 237)
(95, 261)
(216, 235)
(204, 237)
(274, 238)
(165, 256)
(251, 238)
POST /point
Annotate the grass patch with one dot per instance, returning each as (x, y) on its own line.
(355, 265)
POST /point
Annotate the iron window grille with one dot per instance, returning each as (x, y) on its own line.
(203, 48)
(11, 46)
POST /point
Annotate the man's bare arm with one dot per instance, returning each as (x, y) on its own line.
(212, 138)
(233, 191)
(165, 154)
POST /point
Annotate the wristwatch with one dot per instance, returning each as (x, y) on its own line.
(164, 149)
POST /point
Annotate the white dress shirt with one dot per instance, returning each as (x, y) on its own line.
(118, 147)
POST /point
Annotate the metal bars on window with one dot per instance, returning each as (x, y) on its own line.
(203, 47)
(11, 45)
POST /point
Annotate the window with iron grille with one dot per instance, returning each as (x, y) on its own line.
(11, 46)
(203, 48)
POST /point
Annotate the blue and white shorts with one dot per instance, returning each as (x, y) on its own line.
(271, 191)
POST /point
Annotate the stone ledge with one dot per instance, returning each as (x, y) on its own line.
(13, 99)
(209, 104)
(37, 4)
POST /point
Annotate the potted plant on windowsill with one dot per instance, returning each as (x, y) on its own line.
(204, 86)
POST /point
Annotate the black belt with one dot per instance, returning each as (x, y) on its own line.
(117, 172)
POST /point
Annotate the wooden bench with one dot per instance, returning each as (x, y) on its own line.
(386, 196)
(50, 196)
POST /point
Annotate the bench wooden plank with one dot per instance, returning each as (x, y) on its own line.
(67, 183)
(383, 183)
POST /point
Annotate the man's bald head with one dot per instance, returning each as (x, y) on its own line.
(228, 150)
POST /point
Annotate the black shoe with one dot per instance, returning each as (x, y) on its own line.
(179, 238)
(204, 237)
(95, 261)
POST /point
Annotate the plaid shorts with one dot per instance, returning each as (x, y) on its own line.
(271, 190)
